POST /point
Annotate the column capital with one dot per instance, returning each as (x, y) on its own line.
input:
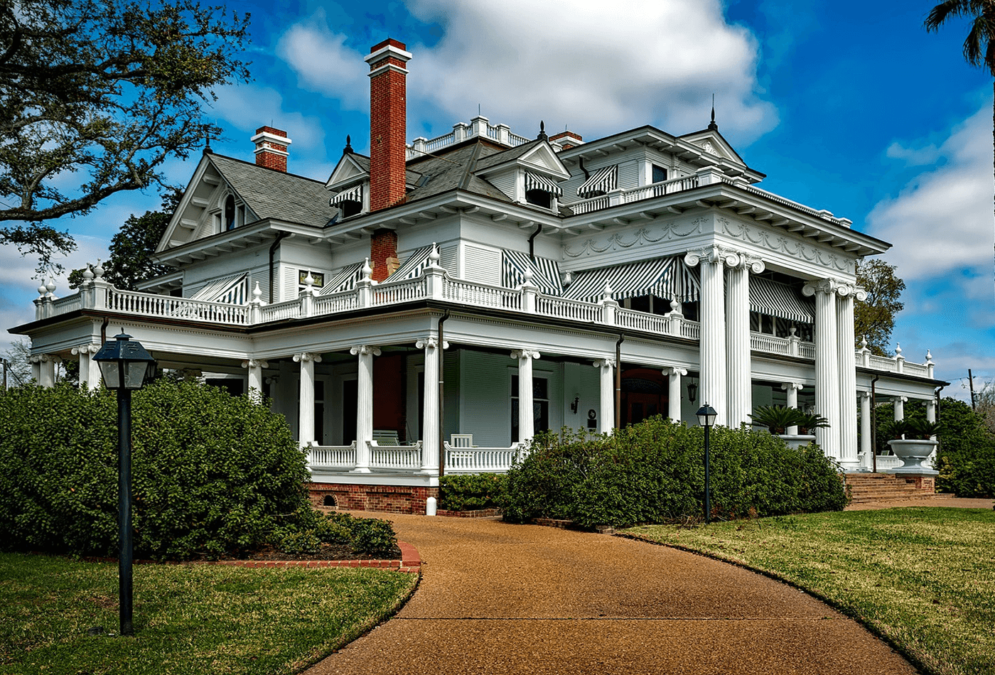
(821, 286)
(85, 348)
(307, 356)
(527, 353)
(863, 394)
(712, 254)
(675, 370)
(365, 350)
(789, 386)
(430, 343)
(844, 289)
(900, 399)
(45, 358)
(258, 363)
(604, 363)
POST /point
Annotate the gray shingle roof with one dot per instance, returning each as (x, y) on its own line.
(454, 171)
(278, 195)
(503, 156)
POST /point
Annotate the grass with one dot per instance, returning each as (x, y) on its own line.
(188, 618)
(924, 578)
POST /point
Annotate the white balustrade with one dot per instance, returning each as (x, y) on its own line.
(147, 304)
(568, 309)
(917, 369)
(65, 305)
(472, 293)
(399, 291)
(404, 457)
(691, 330)
(660, 189)
(588, 205)
(806, 350)
(882, 363)
(290, 309)
(517, 140)
(652, 323)
(332, 456)
(336, 302)
(762, 342)
(479, 460)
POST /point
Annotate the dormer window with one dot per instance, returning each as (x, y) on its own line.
(600, 183)
(539, 198)
(230, 213)
(659, 174)
(350, 201)
(540, 190)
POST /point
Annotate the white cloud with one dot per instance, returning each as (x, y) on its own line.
(598, 67)
(913, 156)
(941, 223)
(248, 107)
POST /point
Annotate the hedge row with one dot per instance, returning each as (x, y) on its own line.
(653, 472)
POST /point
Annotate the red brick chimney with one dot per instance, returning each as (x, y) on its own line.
(388, 133)
(271, 148)
(567, 139)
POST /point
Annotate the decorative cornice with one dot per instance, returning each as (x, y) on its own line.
(645, 235)
(781, 243)
(365, 350)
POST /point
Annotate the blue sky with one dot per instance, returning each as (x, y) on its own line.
(848, 106)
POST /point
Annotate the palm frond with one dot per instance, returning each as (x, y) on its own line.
(976, 41)
(943, 11)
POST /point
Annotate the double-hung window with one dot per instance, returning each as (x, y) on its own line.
(540, 405)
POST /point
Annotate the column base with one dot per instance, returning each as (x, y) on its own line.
(851, 466)
(360, 470)
(428, 472)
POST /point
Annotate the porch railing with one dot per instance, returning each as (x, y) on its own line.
(406, 457)
(479, 460)
(332, 456)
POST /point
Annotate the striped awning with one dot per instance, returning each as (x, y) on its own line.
(781, 300)
(354, 194)
(215, 290)
(663, 277)
(545, 272)
(413, 266)
(534, 181)
(601, 182)
(343, 280)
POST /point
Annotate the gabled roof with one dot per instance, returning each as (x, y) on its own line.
(720, 146)
(353, 167)
(454, 171)
(537, 155)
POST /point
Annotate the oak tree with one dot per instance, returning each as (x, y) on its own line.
(874, 318)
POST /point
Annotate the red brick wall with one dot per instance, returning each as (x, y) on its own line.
(383, 246)
(271, 160)
(388, 128)
(384, 498)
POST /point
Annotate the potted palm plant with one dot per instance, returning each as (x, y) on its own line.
(778, 419)
(912, 442)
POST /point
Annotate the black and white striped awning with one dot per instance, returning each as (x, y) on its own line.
(413, 266)
(354, 194)
(545, 272)
(231, 290)
(534, 181)
(601, 182)
(780, 300)
(663, 277)
(343, 280)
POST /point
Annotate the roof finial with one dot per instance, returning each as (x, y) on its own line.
(347, 150)
(207, 142)
(542, 131)
(712, 126)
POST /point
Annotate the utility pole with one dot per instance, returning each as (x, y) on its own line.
(970, 380)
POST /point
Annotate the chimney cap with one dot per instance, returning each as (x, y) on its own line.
(388, 48)
(566, 134)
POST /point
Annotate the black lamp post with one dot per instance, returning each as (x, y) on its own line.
(706, 418)
(124, 366)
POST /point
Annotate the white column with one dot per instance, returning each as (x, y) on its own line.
(739, 400)
(606, 371)
(847, 377)
(674, 375)
(792, 388)
(866, 434)
(526, 417)
(47, 370)
(899, 403)
(931, 410)
(305, 427)
(364, 405)
(430, 431)
(827, 390)
(89, 371)
(713, 331)
(35, 368)
(255, 388)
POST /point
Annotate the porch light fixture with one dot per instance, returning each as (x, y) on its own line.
(124, 366)
(693, 390)
(706, 418)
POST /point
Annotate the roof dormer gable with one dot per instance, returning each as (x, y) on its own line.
(537, 156)
(712, 142)
(351, 169)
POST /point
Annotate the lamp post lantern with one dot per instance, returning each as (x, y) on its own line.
(124, 366)
(706, 418)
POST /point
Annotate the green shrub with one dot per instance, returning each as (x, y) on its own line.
(212, 474)
(297, 542)
(966, 455)
(654, 472)
(471, 493)
(373, 536)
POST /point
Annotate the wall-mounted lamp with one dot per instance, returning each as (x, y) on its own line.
(575, 404)
(693, 390)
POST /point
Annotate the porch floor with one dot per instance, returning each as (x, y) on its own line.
(501, 598)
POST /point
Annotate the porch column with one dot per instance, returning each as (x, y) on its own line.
(35, 368)
(931, 410)
(255, 368)
(606, 419)
(866, 433)
(712, 344)
(674, 375)
(430, 431)
(47, 372)
(899, 403)
(792, 388)
(364, 405)
(739, 401)
(827, 389)
(847, 375)
(305, 427)
(526, 418)
(89, 371)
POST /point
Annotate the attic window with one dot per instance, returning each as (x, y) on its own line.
(230, 213)
(350, 201)
(659, 174)
(539, 198)
(540, 190)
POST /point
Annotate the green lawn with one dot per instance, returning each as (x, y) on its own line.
(188, 619)
(922, 577)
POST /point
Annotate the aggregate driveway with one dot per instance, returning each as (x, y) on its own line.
(501, 598)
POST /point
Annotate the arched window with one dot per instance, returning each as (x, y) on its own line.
(230, 213)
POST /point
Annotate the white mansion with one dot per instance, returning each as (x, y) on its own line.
(444, 299)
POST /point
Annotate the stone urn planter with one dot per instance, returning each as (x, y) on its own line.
(913, 452)
(795, 441)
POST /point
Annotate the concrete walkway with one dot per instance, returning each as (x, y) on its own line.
(500, 598)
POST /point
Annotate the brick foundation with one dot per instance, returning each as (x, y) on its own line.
(925, 483)
(384, 498)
